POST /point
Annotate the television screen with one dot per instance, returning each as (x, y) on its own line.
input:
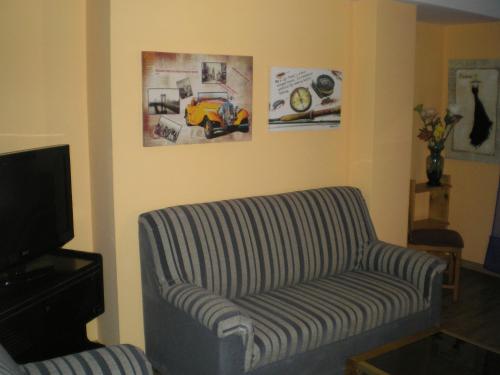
(36, 213)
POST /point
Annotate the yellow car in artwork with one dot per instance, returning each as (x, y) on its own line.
(216, 114)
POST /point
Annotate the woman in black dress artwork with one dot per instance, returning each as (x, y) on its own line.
(482, 123)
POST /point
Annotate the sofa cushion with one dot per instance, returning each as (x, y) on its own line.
(436, 237)
(245, 246)
(305, 316)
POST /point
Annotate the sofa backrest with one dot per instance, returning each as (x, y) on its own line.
(245, 246)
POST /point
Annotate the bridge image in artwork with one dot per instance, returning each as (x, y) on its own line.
(163, 101)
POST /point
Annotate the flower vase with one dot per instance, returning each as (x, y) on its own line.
(434, 164)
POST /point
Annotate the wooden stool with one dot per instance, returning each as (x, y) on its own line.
(444, 243)
(430, 233)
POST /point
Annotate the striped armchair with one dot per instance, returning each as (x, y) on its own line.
(286, 284)
(112, 360)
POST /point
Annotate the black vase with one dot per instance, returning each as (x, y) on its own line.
(435, 164)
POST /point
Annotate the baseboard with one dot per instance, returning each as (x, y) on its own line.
(477, 267)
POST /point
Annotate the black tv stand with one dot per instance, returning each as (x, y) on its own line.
(21, 277)
(46, 304)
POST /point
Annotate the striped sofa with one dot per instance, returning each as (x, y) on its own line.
(112, 360)
(292, 283)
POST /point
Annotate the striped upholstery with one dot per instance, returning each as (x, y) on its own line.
(217, 313)
(306, 316)
(287, 273)
(7, 364)
(209, 309)
(246, 246)
(112, 360)
(416, 267)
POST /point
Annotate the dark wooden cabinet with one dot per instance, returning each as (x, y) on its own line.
(45, 315)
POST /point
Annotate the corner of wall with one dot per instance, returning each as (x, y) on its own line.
(383, 75)
(101, 160)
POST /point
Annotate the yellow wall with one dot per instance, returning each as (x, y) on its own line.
(429, 78)
(475, 184)
(271, 162)
(380, 136)
(367, 38)
(363, 86)
(43, 90)
(275, 33)
(101, 157)
(45, 85)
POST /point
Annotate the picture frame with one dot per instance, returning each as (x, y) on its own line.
(304, 99)
(474, 89)
(196, 98)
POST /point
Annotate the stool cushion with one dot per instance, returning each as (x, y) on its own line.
(436, 237)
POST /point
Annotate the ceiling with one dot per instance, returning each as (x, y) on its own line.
(457, 11)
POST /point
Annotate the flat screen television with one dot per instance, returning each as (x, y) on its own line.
(36, 212)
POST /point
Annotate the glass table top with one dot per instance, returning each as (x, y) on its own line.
(438, 353)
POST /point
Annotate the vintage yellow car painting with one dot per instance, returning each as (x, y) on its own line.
(192, 98)
(216, 114)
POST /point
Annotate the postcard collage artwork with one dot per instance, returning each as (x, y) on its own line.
(193, 98)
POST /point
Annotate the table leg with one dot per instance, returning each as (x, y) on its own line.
(451, 267)
(456, 281)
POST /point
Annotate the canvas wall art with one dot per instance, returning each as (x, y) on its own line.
(195, 98)
(473, 87)
(304, 99)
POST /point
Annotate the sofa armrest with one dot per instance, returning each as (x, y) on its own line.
(112, 360)
(216, 313)
(7, 364)
(416, 267)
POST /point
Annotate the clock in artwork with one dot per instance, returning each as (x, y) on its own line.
(300, 99)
